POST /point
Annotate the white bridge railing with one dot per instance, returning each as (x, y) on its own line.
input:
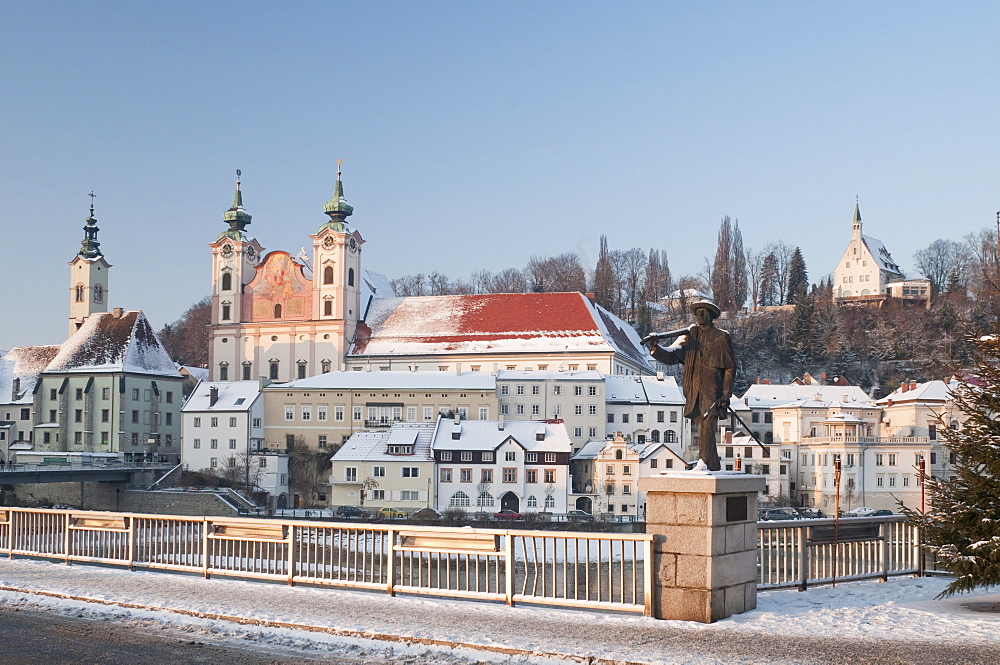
(587, 570)
(800, 553)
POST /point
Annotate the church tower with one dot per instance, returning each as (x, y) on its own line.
(337, 269)
(88, 276)
(235, 256)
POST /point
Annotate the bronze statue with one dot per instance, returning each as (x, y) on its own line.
(709, 370)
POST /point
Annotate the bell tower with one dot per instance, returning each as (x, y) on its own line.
(337, 268)
(88, 276)
(235, 256)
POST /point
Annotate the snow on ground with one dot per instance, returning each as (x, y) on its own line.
(340, 621)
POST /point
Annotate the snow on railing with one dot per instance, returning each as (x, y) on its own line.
(587, 570)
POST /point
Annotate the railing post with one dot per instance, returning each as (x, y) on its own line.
(131, 543)
(205, 542)
(508, 556)
(883, 537)
(803, 557)
(291, 555)
(66, 537)
(390, 569)
(647, 578)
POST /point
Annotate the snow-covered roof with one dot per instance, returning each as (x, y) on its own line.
(765, 395)
(232, 396)
(620, 389)
(590, 450)
(662, 391)
(109, 342)
(197, 373)
(373, 446)
(881, 255)
(487, 435)
(593, 448)
(500, 323)
(23, 364)
(549, 375)
(843, 419)
(930, 391)
(389, 380)
(649, 447)
(813, 403)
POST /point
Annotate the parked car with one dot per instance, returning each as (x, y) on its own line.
(428, 514)
(351, 512)
(508, 515)
(390, 514)
(769, 514)
(810, 513)
(579, 516)
(863, 511)
(881, 513)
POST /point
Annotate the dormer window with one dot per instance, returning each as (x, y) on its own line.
(399, 450)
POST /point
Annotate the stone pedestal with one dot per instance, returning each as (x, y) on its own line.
(705, 547)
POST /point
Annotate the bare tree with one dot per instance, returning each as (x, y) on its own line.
(755, 277)
(944, 262)
(509, 280)
(556, 274)
(782, 258)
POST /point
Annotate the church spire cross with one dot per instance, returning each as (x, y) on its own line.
(337, 208)
(90, 248)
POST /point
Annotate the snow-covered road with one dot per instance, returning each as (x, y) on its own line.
(897, 621)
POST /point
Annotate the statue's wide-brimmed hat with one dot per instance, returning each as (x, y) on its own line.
(707, 304)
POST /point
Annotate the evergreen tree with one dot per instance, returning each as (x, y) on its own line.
(738, 268)
(798, 279)
(769, 280)
(963, 527)
(604, 278)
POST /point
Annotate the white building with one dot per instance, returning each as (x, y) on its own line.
(386, 468)
(223, 434)
(647, 408)
(487, 466)
(574, 396)
(606, 474)
(19, 370)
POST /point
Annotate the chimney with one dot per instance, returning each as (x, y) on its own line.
(659, 375)
(213, 395)
(15, 389)
(822, 378)
(264, 382)
(913, 385)
(117, 311)
(500, 423)
(905, 387)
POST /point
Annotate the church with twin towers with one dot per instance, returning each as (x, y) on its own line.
(285, 317)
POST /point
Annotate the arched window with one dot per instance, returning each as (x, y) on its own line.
(550, 502)
(227, 281)
(277, 311)
(670, 436)
(223, 371)
(273, 371)
(225, 312)
(350, 276)
(247, 370)
(98, 293)
(532, 501)
(325, 364)
(327, 308)
(79, 292)
(654, 435)
(301, 369)
(328, 275)
(459, 499)
(485, 500)
(619, 454)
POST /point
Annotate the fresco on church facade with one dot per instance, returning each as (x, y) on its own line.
(280, 290)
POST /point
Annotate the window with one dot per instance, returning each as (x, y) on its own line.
(351, 474)
(378, 495)
(577, 390)
(535, 390)
(409, 495)
(273, 371)
(484, 413)
(535, 409)
(624, 417)
(225, 311)
(306, 411)
(486, 476)
(446, 456)
(550, 475)
(880, 481)
(232, 422)
(530, 476)
(509, 475)
(627, 470)
(214, 422)
(510, 456)
(879, 461)
(135, 394)
(196, 443)
(592, 391)
(673, 416)
(223, 372)
(465, 475)
(232, 443)
(578, 409)
(577, 431)
(892, 481)
(529, 457)
(557, 390)
(892, 459)
(247, 371)
(321, 412)
(532, 501)
(106, 393)
(520, 390)
(659, 416)
(256, 422)
(626, 489)
(301, 369)
(197, 422)
(378, 472)
(593, 432)
(411, 472)
(428, 413)
(445, 475)
(356, 415)
(504, 390)
(214, 443)
(135, 417)
(592, 410)
(411, 414)
(289, 412)
(520, 409)
(338, 413)
(328, 275)
(214, 462)
(350, 276)
(105, 415)
(466, 456)
(459, 500)
(550, 457)
(321, 441)
(488, 456)
(79, 394)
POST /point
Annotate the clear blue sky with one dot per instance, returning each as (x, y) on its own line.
(475, 134)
